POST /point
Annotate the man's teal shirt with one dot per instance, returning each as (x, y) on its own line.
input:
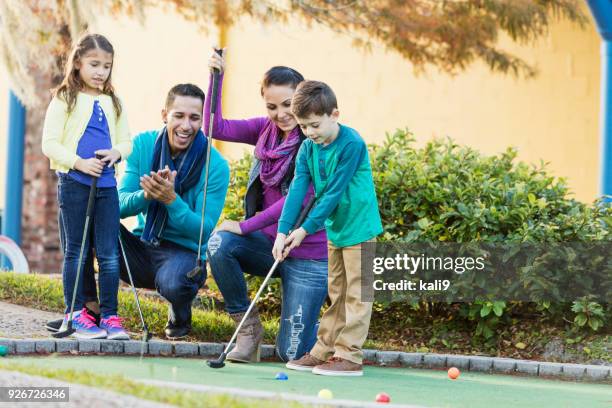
(183, 225)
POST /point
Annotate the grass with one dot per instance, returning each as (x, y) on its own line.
(123, 385)
(40, 292)
(390, 329)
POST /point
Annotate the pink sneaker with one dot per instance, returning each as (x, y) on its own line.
(114, 329)
(84, 325)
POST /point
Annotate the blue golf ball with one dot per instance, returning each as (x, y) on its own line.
(281, 376)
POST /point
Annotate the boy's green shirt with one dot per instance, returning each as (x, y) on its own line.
(342, 178)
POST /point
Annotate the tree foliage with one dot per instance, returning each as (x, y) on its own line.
(448, 34)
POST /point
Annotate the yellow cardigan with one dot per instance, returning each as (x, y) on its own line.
(62, 131)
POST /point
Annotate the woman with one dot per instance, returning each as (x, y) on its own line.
(246, 247)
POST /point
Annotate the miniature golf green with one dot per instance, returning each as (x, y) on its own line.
(405, 386)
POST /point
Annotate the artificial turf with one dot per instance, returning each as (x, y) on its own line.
(429, 388)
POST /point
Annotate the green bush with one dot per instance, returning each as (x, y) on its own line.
(233, 208)
(451, 193)
(446, 192)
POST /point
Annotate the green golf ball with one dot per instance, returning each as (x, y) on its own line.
(3, 351)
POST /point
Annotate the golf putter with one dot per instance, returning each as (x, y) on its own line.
(220, 362)
(90, 204)
(213, 108)
(146, 335)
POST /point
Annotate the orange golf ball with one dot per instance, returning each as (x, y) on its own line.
(453, 373)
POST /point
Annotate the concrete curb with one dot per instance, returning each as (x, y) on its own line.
(501, 365)
(594, 373)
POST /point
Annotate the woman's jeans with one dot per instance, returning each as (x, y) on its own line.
(103, 230)
(304, 283)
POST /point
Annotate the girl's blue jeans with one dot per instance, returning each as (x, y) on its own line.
(103, 238)
(304, 286)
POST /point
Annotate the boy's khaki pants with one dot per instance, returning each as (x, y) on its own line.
(344, 326)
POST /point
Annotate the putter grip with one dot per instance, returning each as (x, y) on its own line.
(304, 212)
(92, 192)
(215, 85)
(92, 196)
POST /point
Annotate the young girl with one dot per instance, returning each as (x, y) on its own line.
(85, 119)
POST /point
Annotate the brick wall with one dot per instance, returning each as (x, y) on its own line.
(40, 239)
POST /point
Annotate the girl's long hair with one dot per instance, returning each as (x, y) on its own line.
(72, 84)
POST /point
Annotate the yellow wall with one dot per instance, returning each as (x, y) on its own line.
(554, 117)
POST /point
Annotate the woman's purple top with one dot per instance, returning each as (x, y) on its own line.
(248, 131)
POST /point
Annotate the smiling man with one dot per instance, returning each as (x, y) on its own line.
(163, 187)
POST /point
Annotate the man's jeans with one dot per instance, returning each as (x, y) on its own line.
(304, 283)
(165, 269)
(103, 230)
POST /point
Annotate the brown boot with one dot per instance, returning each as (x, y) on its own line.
(249, 338)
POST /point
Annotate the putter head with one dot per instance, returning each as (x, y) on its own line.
(195, 271)
(218, 363)
(61, 334)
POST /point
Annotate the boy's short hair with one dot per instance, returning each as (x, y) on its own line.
(184, 90)
(313, 97)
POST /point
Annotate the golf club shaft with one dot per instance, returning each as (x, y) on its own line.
(208, 148)
(299, 222)
(304, 213)
(209, 138)
(88, 214)
(127, 267)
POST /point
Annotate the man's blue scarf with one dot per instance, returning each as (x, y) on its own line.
(188, 165)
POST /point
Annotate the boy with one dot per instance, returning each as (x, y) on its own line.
(335, 159)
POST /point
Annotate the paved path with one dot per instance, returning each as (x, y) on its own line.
(80, 395)
(18, 322)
